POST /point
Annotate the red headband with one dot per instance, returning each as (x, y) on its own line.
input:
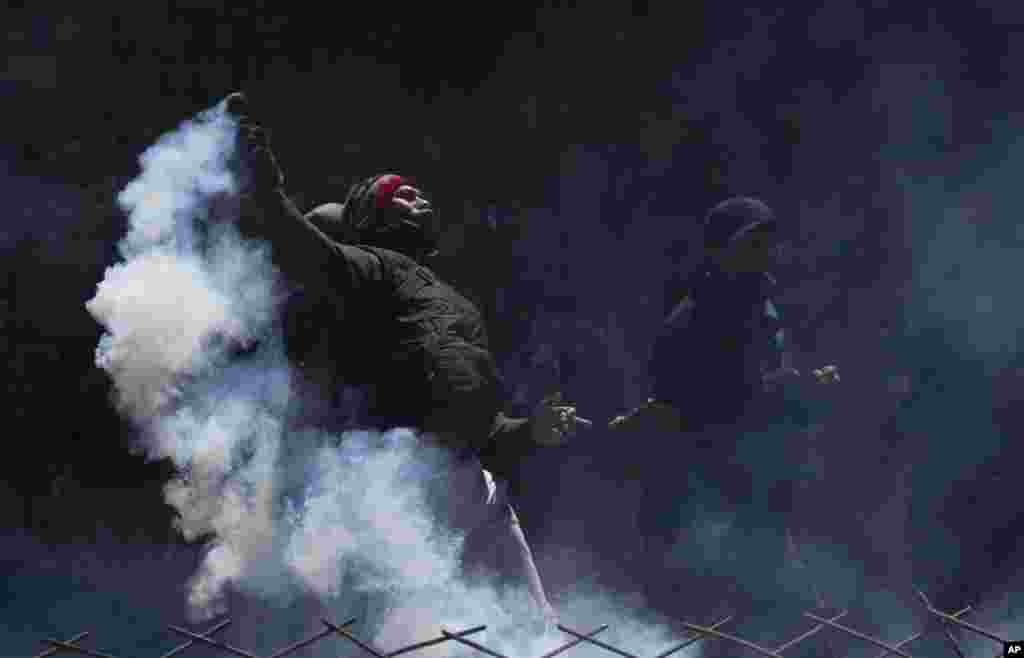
(384, 189)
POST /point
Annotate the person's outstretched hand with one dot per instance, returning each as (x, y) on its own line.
(553, 421)
(826, 375)
(652, 415)
(254, 146)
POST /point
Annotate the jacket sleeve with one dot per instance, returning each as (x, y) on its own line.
(798, 404)
(303, 253)
(776, 353)
(508, 443)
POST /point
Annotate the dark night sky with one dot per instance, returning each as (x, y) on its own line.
(886, 135)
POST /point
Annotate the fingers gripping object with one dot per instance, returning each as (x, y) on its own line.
(568, 411)
(554, 421)
(236, 104)
(254, 141)
(827, 374)
(570, 416)
(556, 400)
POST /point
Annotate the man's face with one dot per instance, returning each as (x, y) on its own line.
(754, 251)
(413, 205)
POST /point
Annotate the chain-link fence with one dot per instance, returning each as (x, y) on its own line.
(939, 622)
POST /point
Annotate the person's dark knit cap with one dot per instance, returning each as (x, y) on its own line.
(735, 217)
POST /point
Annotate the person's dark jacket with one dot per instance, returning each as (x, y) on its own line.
(715, 345)
(418, 345)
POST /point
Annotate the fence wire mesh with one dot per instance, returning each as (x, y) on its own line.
(939, 621)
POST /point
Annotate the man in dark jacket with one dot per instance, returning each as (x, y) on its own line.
(712, 366)
(417, 346)
(717, 368)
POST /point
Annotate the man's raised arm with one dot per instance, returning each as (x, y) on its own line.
(303, 253)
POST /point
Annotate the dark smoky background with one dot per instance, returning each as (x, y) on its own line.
(571, 151)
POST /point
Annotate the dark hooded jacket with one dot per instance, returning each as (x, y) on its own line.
(417, 346)
(715, 344)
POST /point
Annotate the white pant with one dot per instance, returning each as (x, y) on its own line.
(467, 498)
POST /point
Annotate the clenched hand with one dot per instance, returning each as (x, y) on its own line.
(254, 145)
(553, 422)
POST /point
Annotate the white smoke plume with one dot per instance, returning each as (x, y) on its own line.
(188, 288)
(279, 517)
(283, 513)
